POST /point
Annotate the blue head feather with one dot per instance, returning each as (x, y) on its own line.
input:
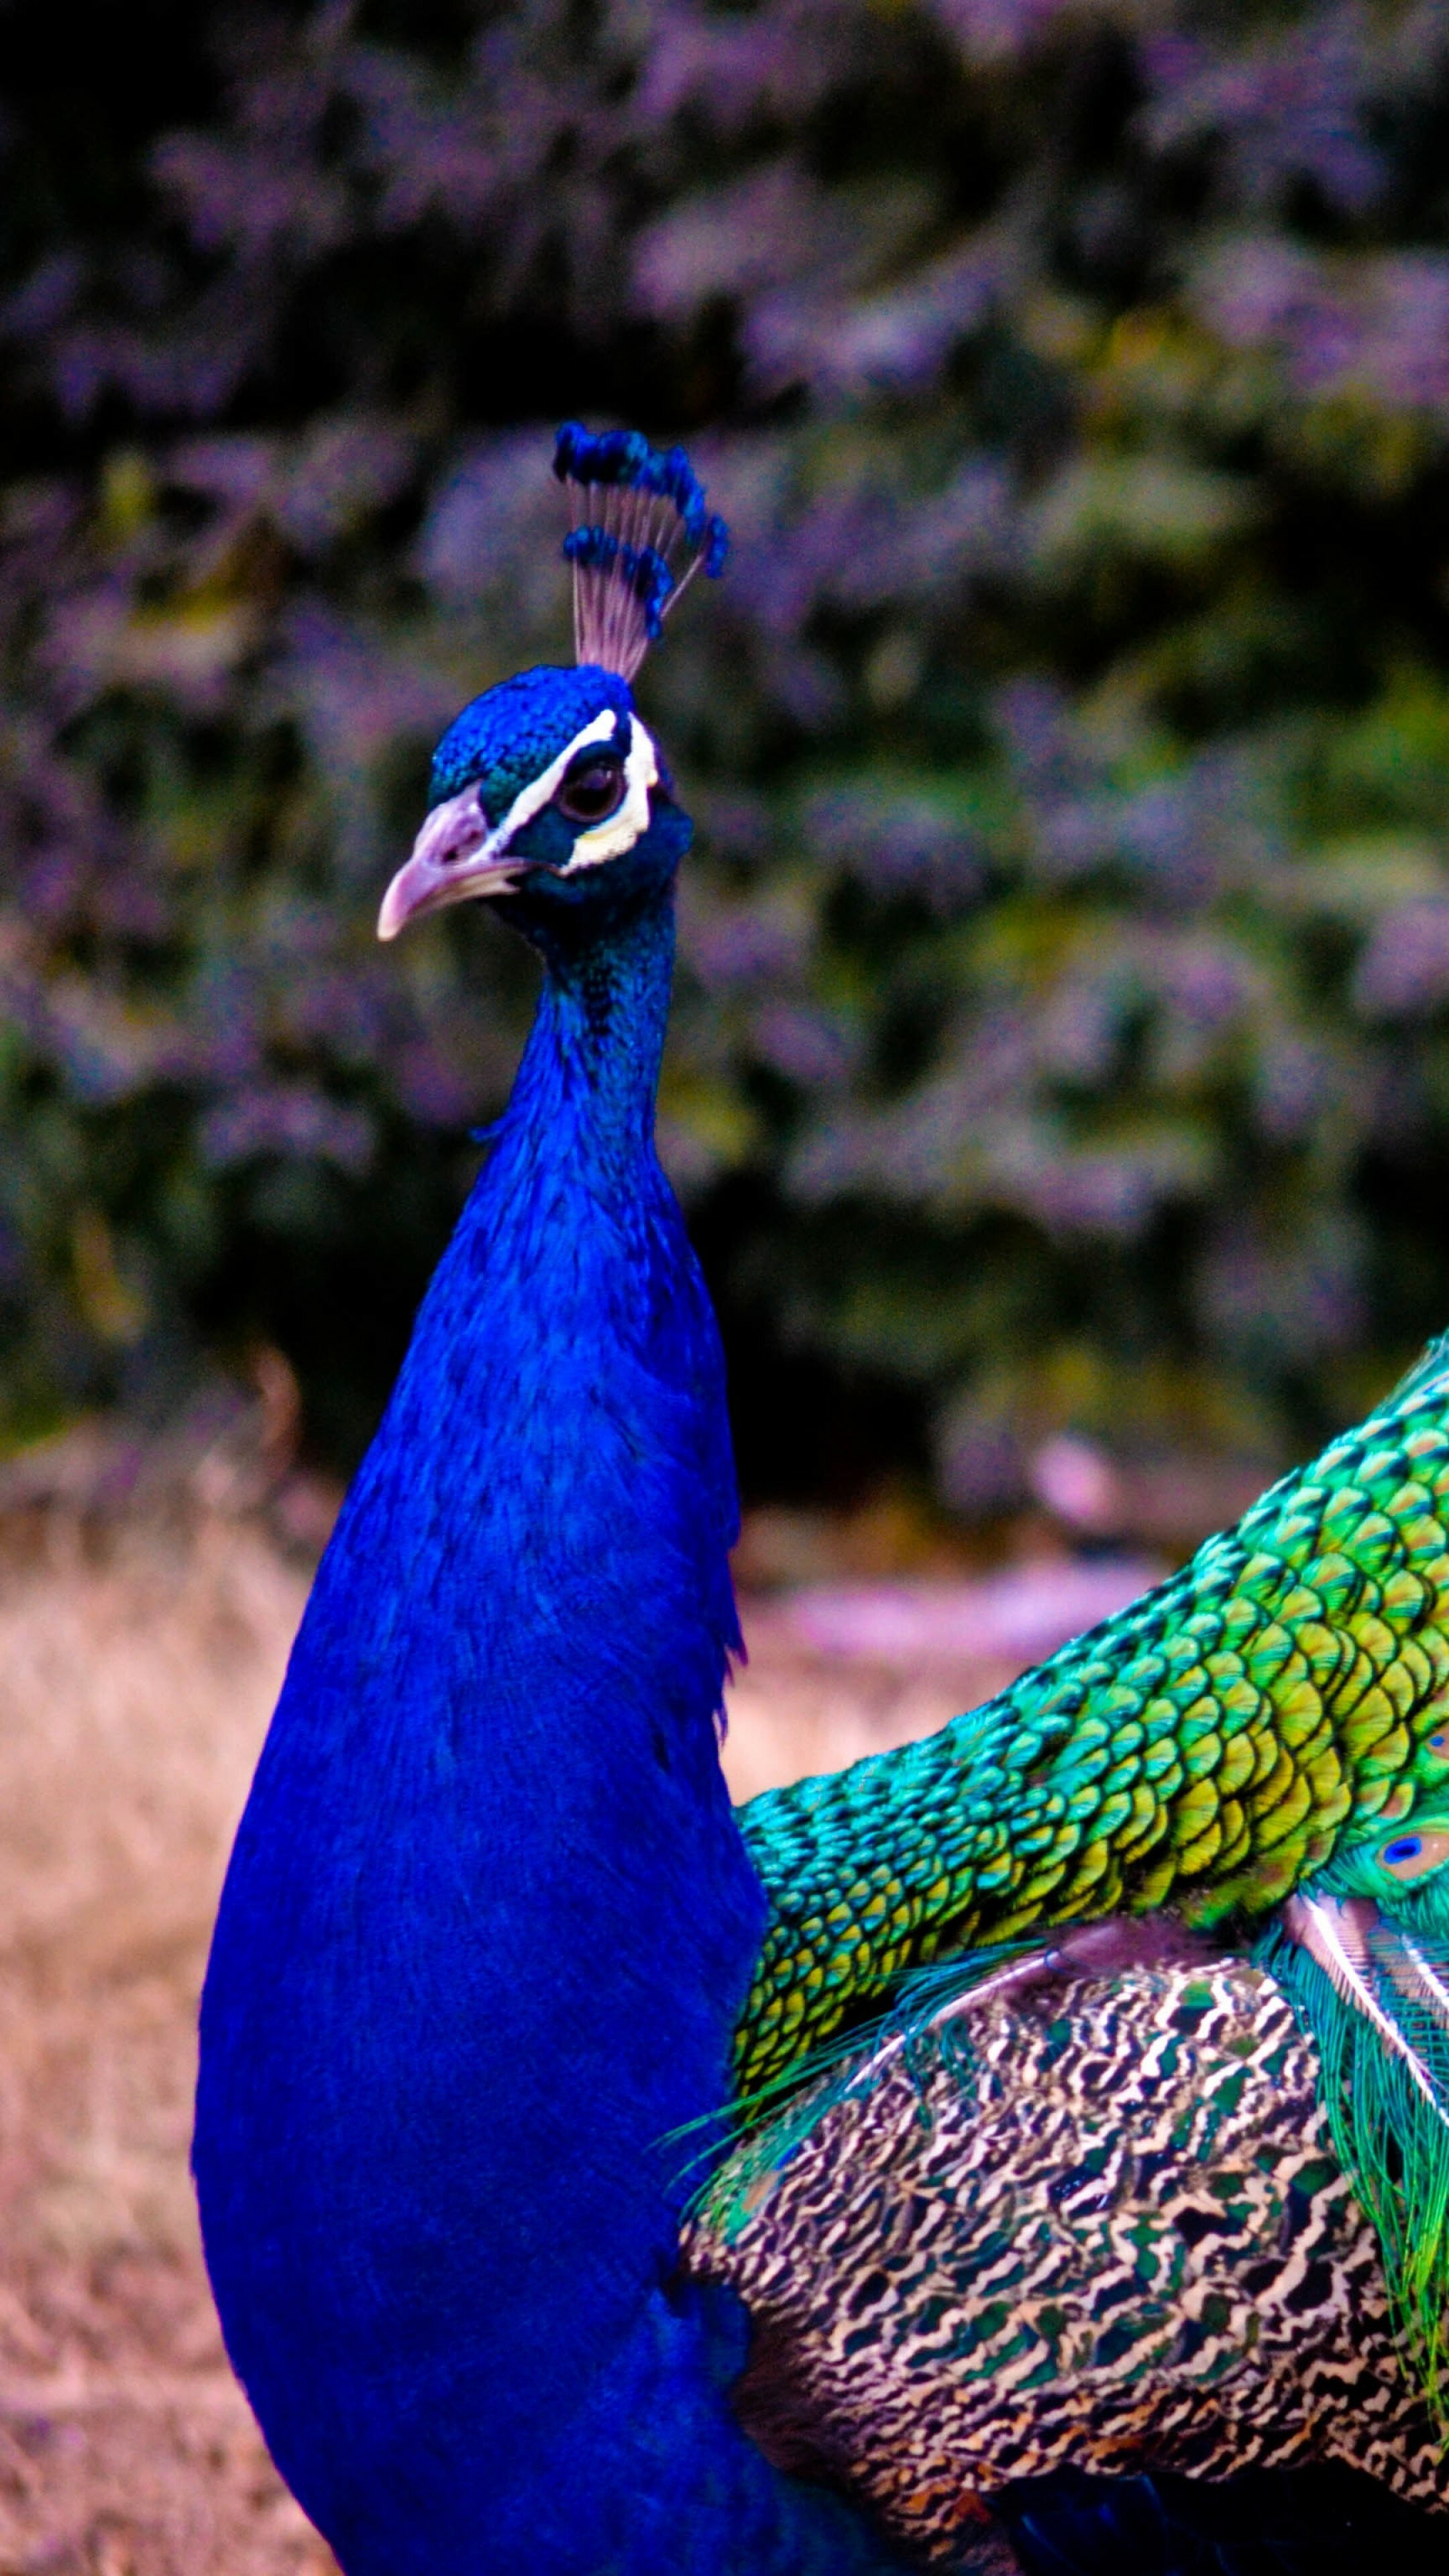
(505, 739)
(548, 796)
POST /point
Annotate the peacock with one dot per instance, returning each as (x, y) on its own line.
(592, 2180)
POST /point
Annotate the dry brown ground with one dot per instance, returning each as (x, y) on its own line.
(134, 1691)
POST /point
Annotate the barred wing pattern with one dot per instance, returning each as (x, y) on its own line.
(1097, 2223)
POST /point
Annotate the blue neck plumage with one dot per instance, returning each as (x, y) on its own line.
(489, 1923)
(592, 1059)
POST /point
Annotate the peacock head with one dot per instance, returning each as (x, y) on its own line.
(548, 789)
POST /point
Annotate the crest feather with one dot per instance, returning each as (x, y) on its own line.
(641, 532)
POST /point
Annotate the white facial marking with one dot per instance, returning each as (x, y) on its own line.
(610, 839)
(607, 840)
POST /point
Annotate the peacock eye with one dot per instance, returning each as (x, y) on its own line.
(1414, 1855)
(591, 793)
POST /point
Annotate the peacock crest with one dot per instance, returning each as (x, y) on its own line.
(641, 533)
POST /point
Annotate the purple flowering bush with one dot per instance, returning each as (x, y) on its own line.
(1063, 1033)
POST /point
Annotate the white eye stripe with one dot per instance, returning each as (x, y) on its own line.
(611, 838)
(606, 840)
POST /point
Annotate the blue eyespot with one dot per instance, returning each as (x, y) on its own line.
(1408, 1847)
(1438, 1742)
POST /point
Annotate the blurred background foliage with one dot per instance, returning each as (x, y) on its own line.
(1060, 1071)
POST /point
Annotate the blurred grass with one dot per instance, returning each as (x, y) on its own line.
(134, 1691)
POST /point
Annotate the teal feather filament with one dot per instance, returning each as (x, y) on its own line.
(1385, 2082)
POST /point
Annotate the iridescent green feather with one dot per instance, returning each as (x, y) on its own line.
(1208, 1747)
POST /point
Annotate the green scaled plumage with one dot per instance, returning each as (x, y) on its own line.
(1210, 1747)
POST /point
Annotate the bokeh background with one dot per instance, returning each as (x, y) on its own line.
(1059, 1076)
(1061, 1043)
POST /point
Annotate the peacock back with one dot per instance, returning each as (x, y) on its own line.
(1210, 1747)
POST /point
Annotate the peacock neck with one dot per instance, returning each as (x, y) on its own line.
(489, 1922)
(590, 1070)
(562, 1406)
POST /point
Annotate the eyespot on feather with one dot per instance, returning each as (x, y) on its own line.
(1407, 1857)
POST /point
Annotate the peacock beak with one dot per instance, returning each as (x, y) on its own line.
(454, 856)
